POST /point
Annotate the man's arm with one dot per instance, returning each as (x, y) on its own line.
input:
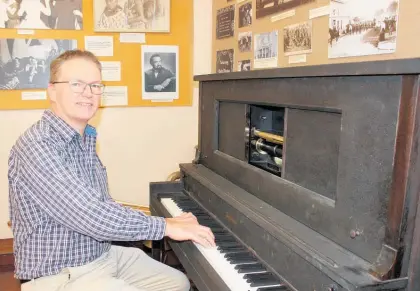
(70, 201)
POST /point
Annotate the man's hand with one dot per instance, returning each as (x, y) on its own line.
(186, 227)
(158, 87)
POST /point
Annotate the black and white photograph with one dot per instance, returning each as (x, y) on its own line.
(297, 38)
(245, 14)
(268, 7)
(224, 61)
(160, 66)
(245, 41)
(24, 63)
(244, 65)
(131, 15)
(225, 22)
(41, 14)
(266, 49)
(362, 28)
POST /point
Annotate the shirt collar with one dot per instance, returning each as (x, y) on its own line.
(63, 128)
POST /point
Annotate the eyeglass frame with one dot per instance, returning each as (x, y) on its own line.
(84, 88)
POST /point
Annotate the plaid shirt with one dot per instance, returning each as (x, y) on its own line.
(62, 214)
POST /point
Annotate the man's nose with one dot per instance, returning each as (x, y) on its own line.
(87, 92)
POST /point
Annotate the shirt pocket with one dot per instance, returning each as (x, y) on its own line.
(102, 180)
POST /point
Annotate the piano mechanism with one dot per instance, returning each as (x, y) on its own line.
(307, 176)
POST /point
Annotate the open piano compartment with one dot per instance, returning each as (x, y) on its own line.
(308, 176)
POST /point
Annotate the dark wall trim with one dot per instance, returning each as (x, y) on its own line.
(388, 67)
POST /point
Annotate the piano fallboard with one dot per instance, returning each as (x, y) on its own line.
(300, 257)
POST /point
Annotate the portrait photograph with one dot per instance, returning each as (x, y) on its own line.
(131, 15)
(245, 41)
(245, 14)
(25, 63)
(160, 66)
(41, 14)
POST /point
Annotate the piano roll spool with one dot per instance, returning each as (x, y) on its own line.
(264, 148)
(273, 138)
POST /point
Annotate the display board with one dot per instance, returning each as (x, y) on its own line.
(126, 54)
(261, 34)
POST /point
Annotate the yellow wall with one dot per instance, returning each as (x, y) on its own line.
(139, 144)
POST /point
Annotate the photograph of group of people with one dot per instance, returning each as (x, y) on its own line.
(41, 14)
(132, 15)
(24, 63)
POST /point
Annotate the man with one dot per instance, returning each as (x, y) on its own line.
(159, 79)
(63, 217)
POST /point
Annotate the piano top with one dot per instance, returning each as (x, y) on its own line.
(387, 67)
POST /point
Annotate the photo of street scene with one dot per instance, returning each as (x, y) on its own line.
(361, 28)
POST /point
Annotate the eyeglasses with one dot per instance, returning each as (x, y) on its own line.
(79, 87)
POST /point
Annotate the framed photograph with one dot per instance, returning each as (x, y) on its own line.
(245, 41)
(160, 67)
(131, 15)
(266, 49)
(42, 14)
(25, 63)
(362, 28)
(245, 15)
(297, 38)
(268, 7)
(244, 65)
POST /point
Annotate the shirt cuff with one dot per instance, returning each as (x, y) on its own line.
(157, 228)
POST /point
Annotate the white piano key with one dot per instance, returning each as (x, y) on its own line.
(216, 259)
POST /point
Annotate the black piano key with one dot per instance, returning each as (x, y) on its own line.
(244, 254)
(231, 249)
(274, 288)
(249, 268)
(228, 245)
(261, 279)
(240, 260)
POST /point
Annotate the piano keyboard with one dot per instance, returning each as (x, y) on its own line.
(238, 268)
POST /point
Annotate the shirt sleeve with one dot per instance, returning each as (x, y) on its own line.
(75, 204)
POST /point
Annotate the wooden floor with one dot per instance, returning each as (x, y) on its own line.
(8, 282)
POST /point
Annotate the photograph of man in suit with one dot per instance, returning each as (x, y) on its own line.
(159, 78)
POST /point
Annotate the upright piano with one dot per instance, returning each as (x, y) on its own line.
(308, 176)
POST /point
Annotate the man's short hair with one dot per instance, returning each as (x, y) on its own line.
(71, 55)
(154, 56)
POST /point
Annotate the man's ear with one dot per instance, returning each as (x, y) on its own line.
(52, 92)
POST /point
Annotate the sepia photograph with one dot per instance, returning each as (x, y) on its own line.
(131, 15)
(268, 7)
(225, 22)
(160, 66)
(244, 65)
(245, 14)
(245, 41)
(297, 38)
(24, 63)
(266, 49)
(41, 14)
(361, 28)
(224, 61)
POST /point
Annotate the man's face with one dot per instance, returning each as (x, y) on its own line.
(156, 63)
(77, 108)
(111, 4)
